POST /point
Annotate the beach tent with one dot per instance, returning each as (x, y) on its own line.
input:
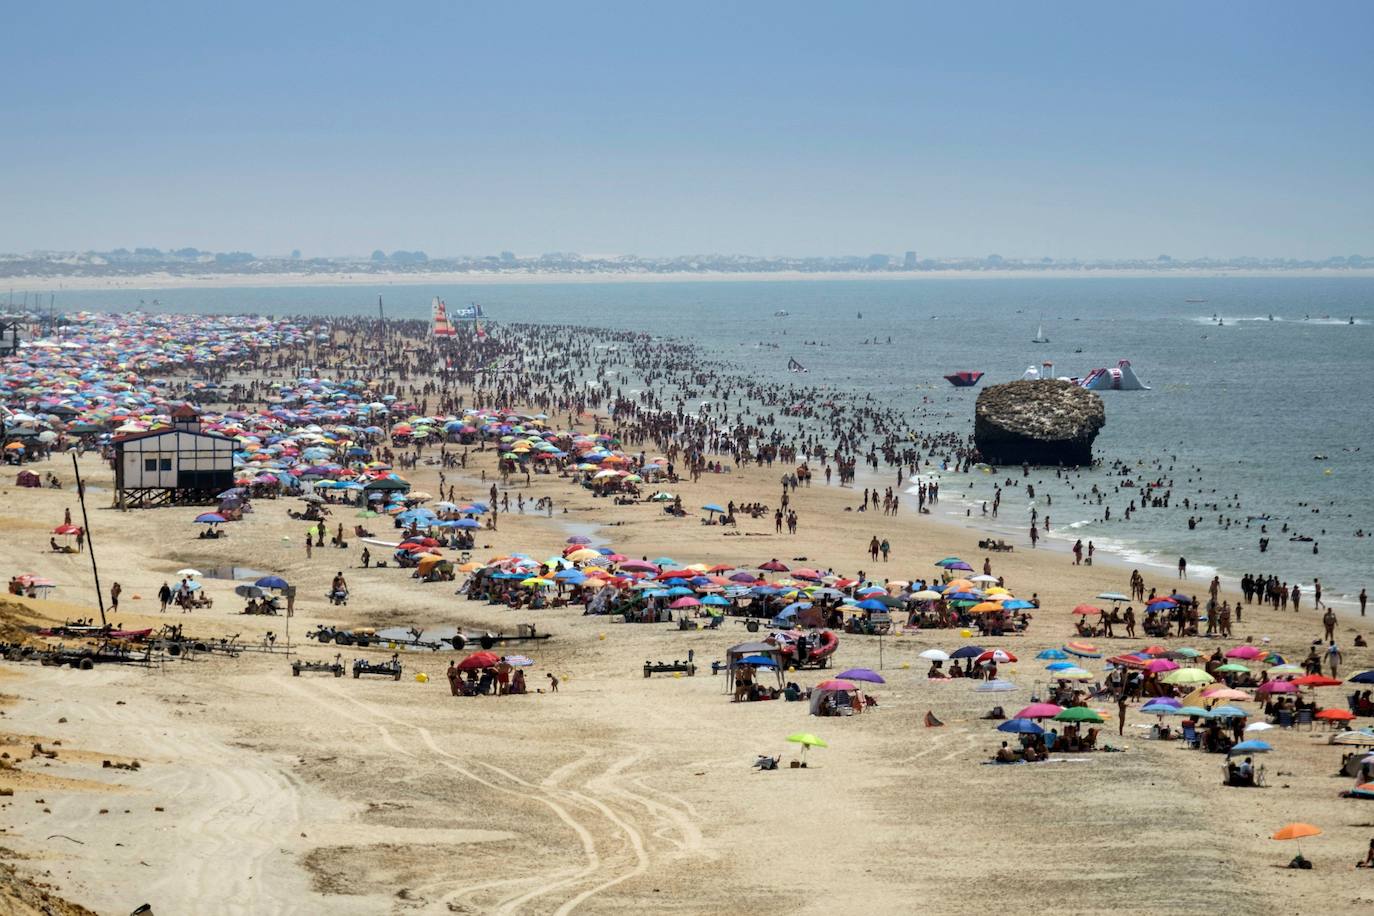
(735, 656)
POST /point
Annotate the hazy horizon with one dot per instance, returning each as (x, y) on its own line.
(1070, 132)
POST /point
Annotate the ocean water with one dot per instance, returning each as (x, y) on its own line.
(1239, 411)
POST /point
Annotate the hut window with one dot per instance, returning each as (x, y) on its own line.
(150, 464)
(166, 464)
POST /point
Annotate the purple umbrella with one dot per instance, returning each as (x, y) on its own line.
(861, 674)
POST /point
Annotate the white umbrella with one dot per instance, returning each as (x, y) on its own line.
(935, 655)
(1258, 727)
(189, 573)
(983, 579)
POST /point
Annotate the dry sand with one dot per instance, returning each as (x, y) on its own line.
(258, 792)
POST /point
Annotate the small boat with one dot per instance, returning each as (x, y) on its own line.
(1194, 300)
(780, 313)
(1040, 334)
(963, 379)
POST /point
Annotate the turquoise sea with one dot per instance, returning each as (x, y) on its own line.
(1239, 409)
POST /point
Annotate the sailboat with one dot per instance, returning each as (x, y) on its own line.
(1040, 334)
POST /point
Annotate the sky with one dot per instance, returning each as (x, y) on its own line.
(1069, 129)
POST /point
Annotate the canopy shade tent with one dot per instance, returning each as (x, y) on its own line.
(735, 656)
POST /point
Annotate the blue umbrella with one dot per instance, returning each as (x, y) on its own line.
(712, 507)
(467, 523)
(715, 600)
(1016, 604)
(967, 652)
(209, 518)
(1158, 709)
(1364, 677)
(1229, 712)
(1052, 654)
(1020, 727)
(567, 574)
(271, 582)
(678, 591)
(1060, 666)
(1250, 747)
(871, 605)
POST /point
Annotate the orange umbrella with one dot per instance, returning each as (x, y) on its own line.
(1335, 715)
(1085, 610)
(987, 607)
(1297, 831)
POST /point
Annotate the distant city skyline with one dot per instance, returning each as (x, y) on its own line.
(1075, 132)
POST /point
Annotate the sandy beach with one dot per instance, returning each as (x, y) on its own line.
(260, 792)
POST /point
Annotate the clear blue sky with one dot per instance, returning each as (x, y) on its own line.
(1027, 129)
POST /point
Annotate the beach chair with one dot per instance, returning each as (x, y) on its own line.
(1285, 719)
(1190, 735)
(1305, 717)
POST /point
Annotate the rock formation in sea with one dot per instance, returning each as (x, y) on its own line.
(1037, 422)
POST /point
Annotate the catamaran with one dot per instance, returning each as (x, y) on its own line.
(1040, 334)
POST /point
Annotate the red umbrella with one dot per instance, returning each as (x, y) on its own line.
(67, 529)
(1039, 711)
(1336, 715)
(1316, 680)
(1001, 656)
(479, 660)
(1086, 610)
(773, 566)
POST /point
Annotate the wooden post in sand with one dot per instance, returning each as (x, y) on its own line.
(90, 543)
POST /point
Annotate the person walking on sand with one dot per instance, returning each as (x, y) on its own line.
(1333, 658)
(309, 544)
(873, 548)
(1121, 711)
(886, 548)
(1034, 535)
(1329, 625)
(553, 683)
(164, 596)
(1182, 568)
(114, 596)
(1364, 599)
(1317, 594)
(1078, 552)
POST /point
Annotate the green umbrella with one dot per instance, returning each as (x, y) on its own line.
(1236, 667)
(806, 739)
(1078, 714)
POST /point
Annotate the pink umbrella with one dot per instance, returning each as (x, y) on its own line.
(639, 566)
(1159, 665)
(1249, 652)
(1277, 687)
(1039, 711)
(833, 684)
(684, 603)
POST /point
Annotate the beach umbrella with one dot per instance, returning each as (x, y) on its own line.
(1284, 669)
(1158, 709)
(479, 660)
(1226, 693)
(1055, 654)
(209, 518)
(1316, 680)
(1087, 610)
(773, 566)
(1196, 712)
(1188, 676)
(1229, 712)
(271, 582)
(925, 594)
(1244, 652)
(1061, 666)
(1073, 674)
(967, 652)
(1235, 668)
(518, 661)
(579, 539)
(1171, 702)
(684, 602)
(188, 573)
(1112, 596)
(1249, 747)
(934, 655)
(806, 740)
(1335, 715)
(1364, 677)
(1020, 726)
(833, 684)
(862, 674)
(1259, 727)
(1277, 687)
(1078, 714)
(1297, 831)
(1158, 665)
(1082, 650)
(1039, 711)
(1016, 604)
(1000, 656)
